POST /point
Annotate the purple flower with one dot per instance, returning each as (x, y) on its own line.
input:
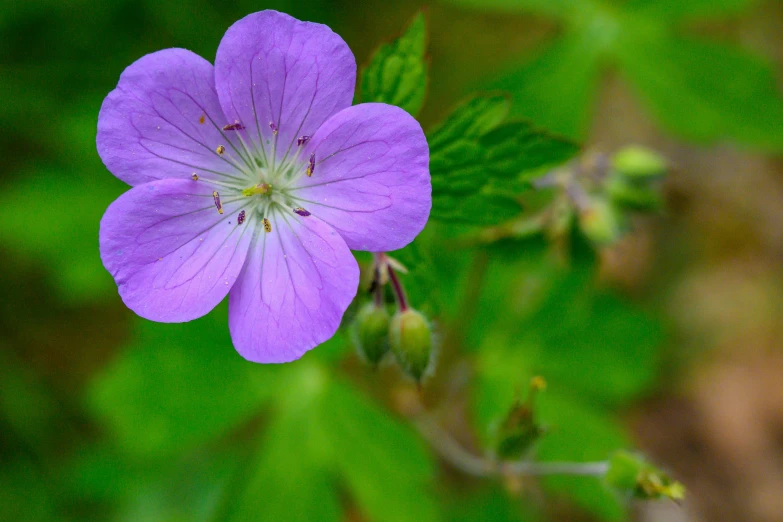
(253, 179)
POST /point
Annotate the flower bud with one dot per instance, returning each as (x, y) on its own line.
(632, 195)
(371, 332)
(520, 430)
(411, 342)
(630, 473)
(639, 163)
(600, 222)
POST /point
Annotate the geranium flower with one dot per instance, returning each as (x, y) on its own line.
(253, 179)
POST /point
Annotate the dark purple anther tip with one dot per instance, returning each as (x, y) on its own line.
(311, 165)
(233, 126)
(273, 127)
(241, 217)
(302, 212)
(302, 140)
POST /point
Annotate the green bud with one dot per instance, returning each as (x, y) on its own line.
(639, 163)
(411, 342)
(632, 195)
(371, 332)
(520, 430)
(632, 474)
(601, 222)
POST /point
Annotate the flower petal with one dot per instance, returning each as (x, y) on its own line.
(164, 121)
(371, 180)
(173, 256)
(272, 68)
(297, 283)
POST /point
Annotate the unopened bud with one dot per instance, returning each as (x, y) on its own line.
(520, 430)
(600, 222)
(639, 163)
(411, 342)
(633, 195)
(632, 474)
(371, 332)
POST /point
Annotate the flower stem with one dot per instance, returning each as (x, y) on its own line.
(451, 451)
(399, 292)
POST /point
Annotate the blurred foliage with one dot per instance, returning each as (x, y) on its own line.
(699, 90)
(171, 424)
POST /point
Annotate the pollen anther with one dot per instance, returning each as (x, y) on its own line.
(267, 225)
(311, 165)
(194, 176)
(216, 199)
(302, 212)
(233, 126)
(220, 149)
(241, 217)
(273, 127)
(302, 140)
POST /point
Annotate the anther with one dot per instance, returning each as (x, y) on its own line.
(302, 212)
(216, 198)
(220, 149)
(202, 118)
(241, 217)
(233, 126)
(311, 165)
(273, 127)
(302, 140)
(194, 176)
(267, 225)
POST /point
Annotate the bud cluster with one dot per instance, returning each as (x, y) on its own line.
(406, 334)
(632, 474)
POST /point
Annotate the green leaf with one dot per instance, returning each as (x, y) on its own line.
(704, 91)
(398, 71)
(546, 7)
(290, 480)
(556, 89)
(177, 386)
(387, 468)
(476, 161)
(329, 435)
(580, 433)
(676, 9)
(51, 217)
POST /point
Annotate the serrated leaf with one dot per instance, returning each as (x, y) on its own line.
(177, 386)
(398, 71)
(476, 161)
(705, 91)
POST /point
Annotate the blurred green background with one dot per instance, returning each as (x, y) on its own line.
(668, 340)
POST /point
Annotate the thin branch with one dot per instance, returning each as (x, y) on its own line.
(451, 451)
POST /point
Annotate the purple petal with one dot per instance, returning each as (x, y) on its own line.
(173, 256)
(372, 180)
(297, 283)
(272, 68)
(164, 121)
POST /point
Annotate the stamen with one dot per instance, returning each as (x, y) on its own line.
(273, 127)
(202, 119)
(194, 176)
(216, 198)
(302, 212)
(241, 217)
(220, 149)
(267, 225)
(261, 188)
(233, 126)
(311, 166)
(302, 140)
